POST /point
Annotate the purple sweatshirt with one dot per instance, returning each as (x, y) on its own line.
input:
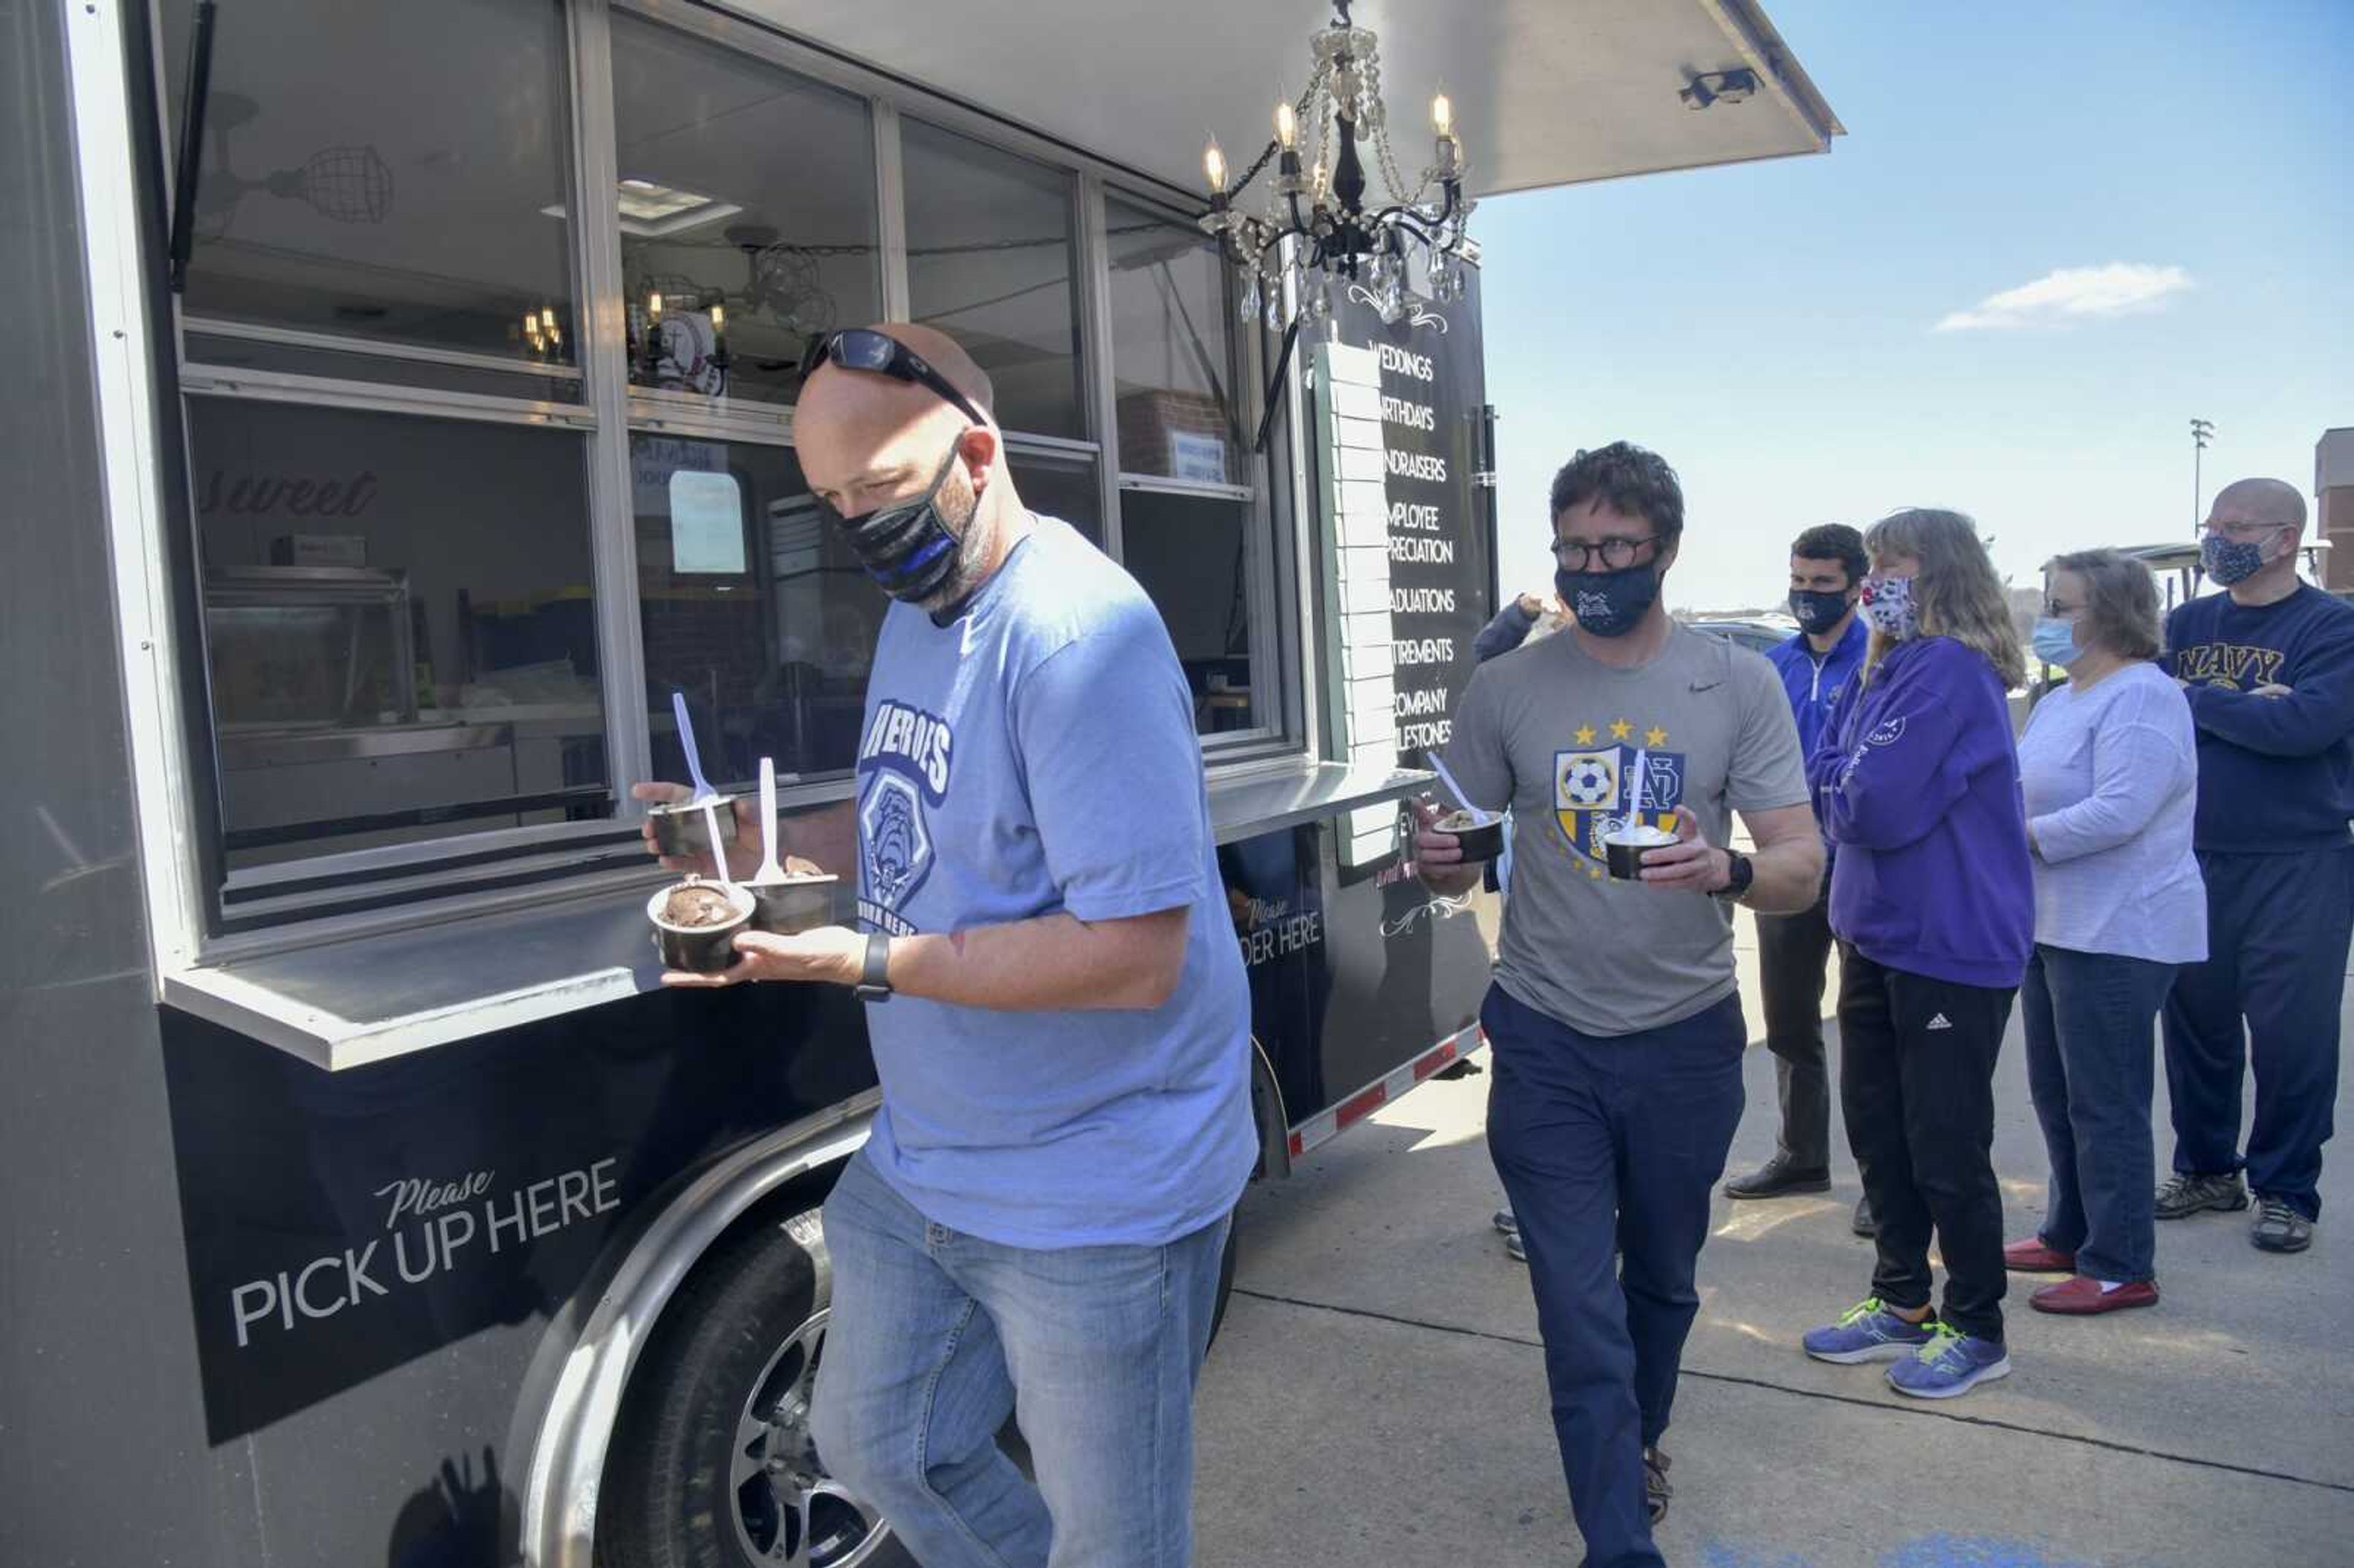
(1916, 785)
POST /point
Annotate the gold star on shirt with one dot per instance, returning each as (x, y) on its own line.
(1620, 730)
(1593, 873)
(1585, 734)
(1654, 736)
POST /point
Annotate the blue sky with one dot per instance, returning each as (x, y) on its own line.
(1774, 329)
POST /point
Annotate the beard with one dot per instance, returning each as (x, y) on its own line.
(960, 513)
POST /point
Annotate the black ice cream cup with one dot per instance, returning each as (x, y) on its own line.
(679, 828)
(1625, 847)
(702, 950)
(1476, 840)
(794, 905)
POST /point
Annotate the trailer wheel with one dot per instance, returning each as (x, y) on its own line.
(713, 1465)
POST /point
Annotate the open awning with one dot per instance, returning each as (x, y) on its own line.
(1546, 92)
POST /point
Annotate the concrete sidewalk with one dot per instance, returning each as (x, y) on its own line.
(1378, 1395)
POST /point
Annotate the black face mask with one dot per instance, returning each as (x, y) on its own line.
(908, 549)
(1816, 611)
(1610, 604)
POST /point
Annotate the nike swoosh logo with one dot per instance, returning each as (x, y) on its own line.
(1707, 686)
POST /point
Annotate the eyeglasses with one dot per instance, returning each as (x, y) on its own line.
(2242, 531)
(1616, 554)
(880, 353)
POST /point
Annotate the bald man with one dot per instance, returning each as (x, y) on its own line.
(1057, 1005)
(2269, 668)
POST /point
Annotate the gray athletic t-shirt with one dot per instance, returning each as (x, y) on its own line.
(1556, 735)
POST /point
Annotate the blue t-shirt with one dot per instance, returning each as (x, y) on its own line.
(1036, 756)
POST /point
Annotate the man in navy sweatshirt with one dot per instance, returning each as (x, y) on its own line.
(2269, 668)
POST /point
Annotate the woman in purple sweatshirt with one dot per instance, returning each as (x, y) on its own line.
(1916, 784)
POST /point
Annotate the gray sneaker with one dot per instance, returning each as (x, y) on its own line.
(1505, 1220)
(1513, 1248)
(1863, 1223)
(2183, 1196)
(2280, 1228)
(1656, 1491)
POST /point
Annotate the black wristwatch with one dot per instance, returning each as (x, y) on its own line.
(874, 982)
(1739, 873)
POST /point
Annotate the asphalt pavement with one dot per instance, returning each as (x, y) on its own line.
(1377, 1394)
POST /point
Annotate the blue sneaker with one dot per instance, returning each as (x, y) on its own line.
(1867, 1332)
(1951, 1364)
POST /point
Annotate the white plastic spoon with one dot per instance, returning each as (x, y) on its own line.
(770, 870)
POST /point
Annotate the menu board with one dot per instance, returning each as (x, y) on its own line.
(1401, 455)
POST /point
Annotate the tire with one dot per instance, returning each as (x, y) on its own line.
(712, 1466)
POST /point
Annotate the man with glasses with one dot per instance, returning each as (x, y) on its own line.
(1617, 1032)
(1058, 1010)
(2269, 669)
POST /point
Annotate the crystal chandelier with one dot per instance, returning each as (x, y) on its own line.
(1332, 236)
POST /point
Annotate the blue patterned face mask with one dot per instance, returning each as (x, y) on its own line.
(2230, 561)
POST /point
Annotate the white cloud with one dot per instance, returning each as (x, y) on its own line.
(2072, 294)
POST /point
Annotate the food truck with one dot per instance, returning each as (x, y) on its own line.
(409, 422)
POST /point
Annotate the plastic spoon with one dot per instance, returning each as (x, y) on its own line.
(770, 870)
(718, 850)
(703, 789)
(1480, 818)
(1635, 799)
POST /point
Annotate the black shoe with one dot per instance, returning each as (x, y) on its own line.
(1778, 1177)
(1655, 1490)
(2280, 1228)
(2183, 1196)
(1866, 1224)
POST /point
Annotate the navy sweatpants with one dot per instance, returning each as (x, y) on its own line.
(1606, 1143)
(2277, 928)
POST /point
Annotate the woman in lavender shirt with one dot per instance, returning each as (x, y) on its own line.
(2109, 766)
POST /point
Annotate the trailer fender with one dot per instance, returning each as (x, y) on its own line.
(573, 1396)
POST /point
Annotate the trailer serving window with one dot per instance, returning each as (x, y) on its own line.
(489, 437)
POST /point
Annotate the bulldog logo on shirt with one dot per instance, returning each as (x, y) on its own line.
(906, 760)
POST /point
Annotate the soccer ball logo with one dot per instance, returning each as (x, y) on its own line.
(1589, 781)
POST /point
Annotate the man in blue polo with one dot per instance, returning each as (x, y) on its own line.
(1827, 570)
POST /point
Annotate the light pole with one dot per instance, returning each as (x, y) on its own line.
(2201, 432)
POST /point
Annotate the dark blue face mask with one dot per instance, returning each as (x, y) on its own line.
(907, 549)
(2230, 561)
(1816, 611)
(1610, 604)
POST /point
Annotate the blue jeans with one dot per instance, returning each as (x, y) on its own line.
(1612, 1145)
(936, 1337)
(2092, 1048)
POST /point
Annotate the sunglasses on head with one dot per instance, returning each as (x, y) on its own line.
(880, 353)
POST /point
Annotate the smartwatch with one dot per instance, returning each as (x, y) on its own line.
(1740, 874)
(874, 982)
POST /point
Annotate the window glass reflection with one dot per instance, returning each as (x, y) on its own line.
(752, 607)
(329, 201)
(1172, 355)
(990, 261)
(1060, 485)
(400, 629)
(1193, 555)
(748, 214)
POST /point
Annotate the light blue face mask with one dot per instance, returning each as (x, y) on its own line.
(2055, 641)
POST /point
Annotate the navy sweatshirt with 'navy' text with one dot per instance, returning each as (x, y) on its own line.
(2276, 771)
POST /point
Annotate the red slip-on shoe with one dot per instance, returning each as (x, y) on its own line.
(2031, 1257)
(2083, 1297)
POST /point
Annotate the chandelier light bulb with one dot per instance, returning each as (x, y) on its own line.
(1213, 166)
(1286, 126)
(653, 306)
(719, 318)
(1442, 115)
